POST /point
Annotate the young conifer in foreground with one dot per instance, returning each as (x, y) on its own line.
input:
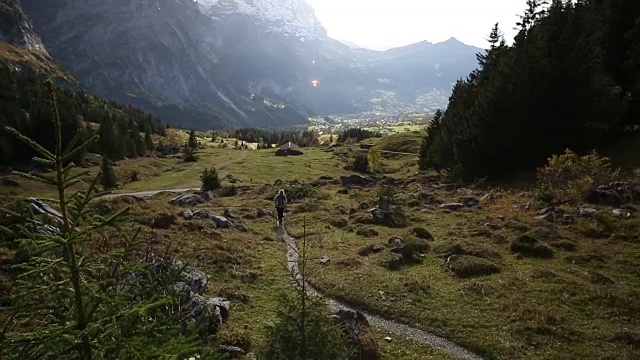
(80, 290)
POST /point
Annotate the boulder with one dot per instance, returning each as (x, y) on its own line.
(229, 214)
(614, 194)
(201, 214)
(42, 208)
(221, 221)
(470, 202)
(422, 233)
(163, 221)
(357, 330)
(189, 200)
(264, 213)
(587, 212)
(452, 206)
(187, 214)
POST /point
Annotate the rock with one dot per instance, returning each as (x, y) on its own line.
(568, 219)
(9, 182)
(490, 198)
(227, 213)
(452, 206)
(194, 307)
(377, 248)
(191, 199)
(422, 233)
(395, 241)
(163, 221)
(264, 213)
(356, 329)
(355, 179)
(614, 194)
(429, 199)
(187, 214)
(550, 217)
(587, 212)
(529, 246)
(377, 215)
(232, 352)
(223, 305)
(387, 339)
(42, 208)
(470, 202)
(340, 223)
(201, 214)
(324, 260)
(546, 211)
(324, 178)
(221, 221)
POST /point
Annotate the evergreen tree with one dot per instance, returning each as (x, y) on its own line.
(192, 143)
(210, 180)
(107, 175)
(148, 141)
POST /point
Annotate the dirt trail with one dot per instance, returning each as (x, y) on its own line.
(420, 336)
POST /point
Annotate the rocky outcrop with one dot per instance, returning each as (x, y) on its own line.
(15, 29)
(357, 330)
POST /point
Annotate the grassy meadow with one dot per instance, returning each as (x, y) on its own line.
(582, 302)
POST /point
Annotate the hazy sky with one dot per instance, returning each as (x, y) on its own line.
(382, 24)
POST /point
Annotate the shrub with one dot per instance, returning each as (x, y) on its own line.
(189, 154)
(134, 176)
(210, 180)
(465, 266)
(392, 213)
(227, 191)
(569, 177)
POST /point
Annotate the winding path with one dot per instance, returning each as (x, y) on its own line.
(420, 336)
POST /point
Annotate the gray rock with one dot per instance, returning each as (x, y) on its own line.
(356, 329)
(223, 305)
(324, 260)
(187, 214)
(587, 212)
(188, 200)
(452, 206)
(201, 214)
(232, 351)
(264, 213)
(42, 208)
(221, 221)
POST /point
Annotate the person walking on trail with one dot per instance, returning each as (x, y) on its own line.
(281, 203)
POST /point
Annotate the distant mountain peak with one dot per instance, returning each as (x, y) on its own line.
(288, 17)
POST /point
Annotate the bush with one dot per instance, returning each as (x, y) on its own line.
(134, 176)
(189, 154)
(465, 266)
(568, 178)
(210, 180)
(529, 246)
(227, 191)
(392, 213)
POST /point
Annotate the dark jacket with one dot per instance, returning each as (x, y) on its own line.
(280, 200)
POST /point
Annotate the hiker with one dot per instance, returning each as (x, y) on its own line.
(281, 203)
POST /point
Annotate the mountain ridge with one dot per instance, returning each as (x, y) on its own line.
(231, 63)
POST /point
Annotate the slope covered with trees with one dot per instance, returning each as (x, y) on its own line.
(24, 105)
(570, 80)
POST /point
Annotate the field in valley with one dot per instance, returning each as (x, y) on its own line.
(577, 299)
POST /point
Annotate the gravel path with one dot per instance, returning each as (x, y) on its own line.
(417, 335)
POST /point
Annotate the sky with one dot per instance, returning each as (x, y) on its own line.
(383, 24)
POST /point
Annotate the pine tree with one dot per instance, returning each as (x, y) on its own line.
(148, 141)
(210, 180)
(107, 175)
(192, 143)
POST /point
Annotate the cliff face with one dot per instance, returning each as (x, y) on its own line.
(15, 29)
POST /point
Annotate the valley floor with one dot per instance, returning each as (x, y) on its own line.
(580, 302)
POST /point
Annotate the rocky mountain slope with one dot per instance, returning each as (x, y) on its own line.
(227, 63)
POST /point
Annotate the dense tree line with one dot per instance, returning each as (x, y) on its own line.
(24, 105)
(303, 138)
(357, 135)
(570, 80)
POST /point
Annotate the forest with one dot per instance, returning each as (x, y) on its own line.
(25, 105)
(571, 79)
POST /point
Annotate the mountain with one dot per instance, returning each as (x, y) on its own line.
(231, 63)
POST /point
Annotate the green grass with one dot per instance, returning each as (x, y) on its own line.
(404, 143)
(580, 304)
